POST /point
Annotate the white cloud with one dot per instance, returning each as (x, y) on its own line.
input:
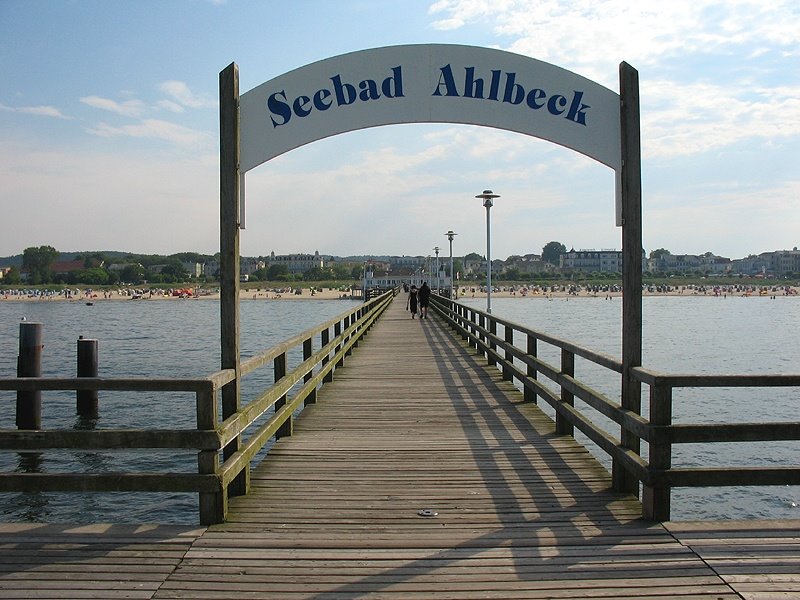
(129, 108)
(155, 129)
(690, 118)
(39, 111)
(180, 93)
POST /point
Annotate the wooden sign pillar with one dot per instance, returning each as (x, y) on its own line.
(631, 192)
(229, 253)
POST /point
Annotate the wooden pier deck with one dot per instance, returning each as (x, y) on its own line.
(418, 474)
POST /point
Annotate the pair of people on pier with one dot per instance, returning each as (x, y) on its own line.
(419, 298)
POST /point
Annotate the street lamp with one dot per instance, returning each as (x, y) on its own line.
(488, 198)
(450, 235)
(438, 284)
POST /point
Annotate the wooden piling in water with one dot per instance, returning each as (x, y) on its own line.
(29, 364)
(86, 401)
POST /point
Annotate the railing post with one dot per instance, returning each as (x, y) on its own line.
(481, 337)
(564, 427)
(213, 505)
(337, 331)
(509, 339)
(86, 401)
(347, 323)
(325, 338)
(279, 368)
(463, 321)
(492, 332)
(29, 364)
(307, 352)
(656, 497)
(530, 395)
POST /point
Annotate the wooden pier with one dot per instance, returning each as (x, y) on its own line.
(419, 473)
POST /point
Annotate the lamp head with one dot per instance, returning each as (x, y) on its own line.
(488, 196)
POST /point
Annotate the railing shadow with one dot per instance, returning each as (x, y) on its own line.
(524, 501)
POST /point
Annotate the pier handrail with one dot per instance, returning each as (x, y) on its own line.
(210, 436)
(655, 472)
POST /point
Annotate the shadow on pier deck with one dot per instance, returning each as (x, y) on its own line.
(419, 473)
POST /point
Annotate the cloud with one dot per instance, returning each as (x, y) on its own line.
(690, 118)
(180, 93)
(155, 129)
(597, 34)
(129, 108)
(38, 111)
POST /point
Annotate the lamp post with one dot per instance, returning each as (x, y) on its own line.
(438, 282)
(428, 266)
(450, 235)
(488, 200)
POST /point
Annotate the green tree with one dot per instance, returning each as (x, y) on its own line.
(473, 256)
(656, 254)
(174, 273)
(551, 252)
(340, 272)
(276, 272)
(38, 262)
(11, 277)
(132, 273)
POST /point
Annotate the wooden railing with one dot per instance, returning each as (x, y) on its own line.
(290, 390)
(655, 472)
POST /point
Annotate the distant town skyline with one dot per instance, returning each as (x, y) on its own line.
(109, 120)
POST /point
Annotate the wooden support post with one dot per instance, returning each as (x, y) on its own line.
(307, 352)
(656, 498)
(337, 331)
(229, 254)
(481, 337)
(29, 364)
(530, 395)
(493, 332)
(564, 427)
(325, 338)
(631, 182)
(509, 339)
(348, 352)
(86, 401)
(279, 369)
(213, 505)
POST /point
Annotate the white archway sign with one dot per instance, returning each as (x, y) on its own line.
(431, 83)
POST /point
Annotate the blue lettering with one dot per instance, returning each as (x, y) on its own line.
(392, 86)
(319, 99)
(556, 104)
(341, 89)
(494, 86)
(446, 80)
(533, 96)
(300, 104)
(369, 90)
(279, 109)
(514, 93)
(576, 110)
(473, 88)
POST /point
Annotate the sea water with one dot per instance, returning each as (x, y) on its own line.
(690, 335)
(180, 338)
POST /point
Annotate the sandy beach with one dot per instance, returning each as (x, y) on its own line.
(521, 292)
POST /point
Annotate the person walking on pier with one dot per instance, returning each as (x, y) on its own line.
(424, 298)
(412, 301)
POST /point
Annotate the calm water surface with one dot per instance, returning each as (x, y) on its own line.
(181, 339)
(136, 338)
(696, 335)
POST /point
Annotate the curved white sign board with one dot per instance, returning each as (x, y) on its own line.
(430, 83)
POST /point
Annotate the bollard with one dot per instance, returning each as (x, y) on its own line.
(86, 400)
(29, 364)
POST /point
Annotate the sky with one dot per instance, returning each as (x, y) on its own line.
(109, 124)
